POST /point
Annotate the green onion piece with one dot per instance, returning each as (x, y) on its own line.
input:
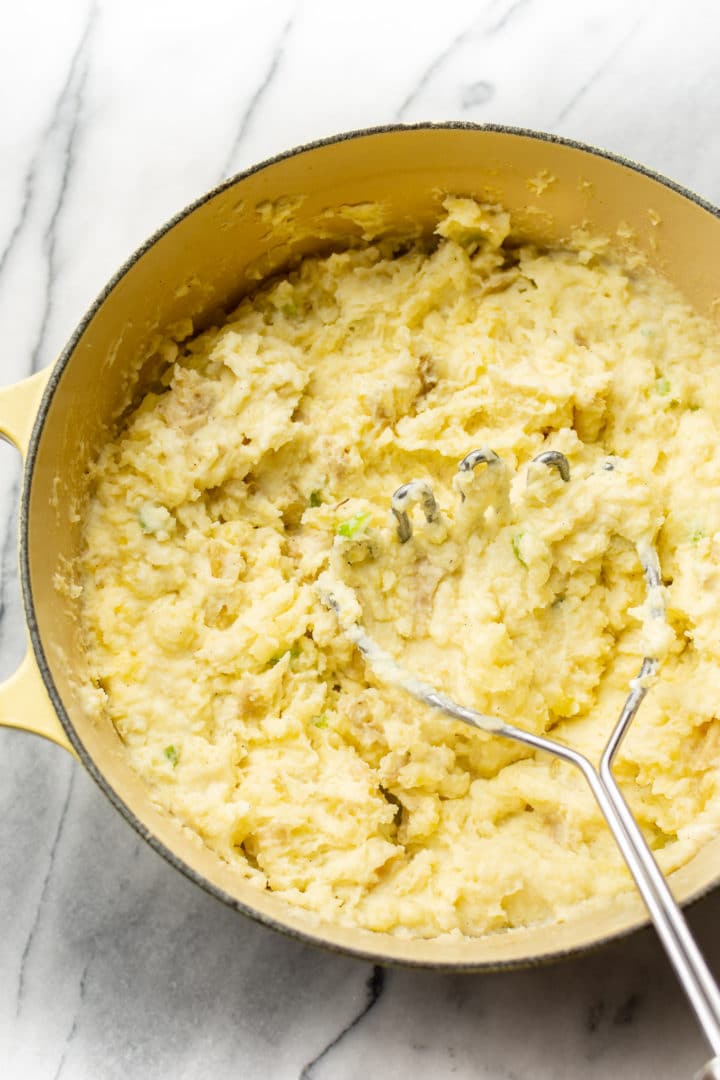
(315, 499)
(697, 536)
(662, 386)
(147, 523)
(154, 519)
(293, 652)
(172, 754)
(516, 541)
(354, 525)
(320, 721)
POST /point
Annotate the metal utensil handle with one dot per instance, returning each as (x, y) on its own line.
(710, 1072)
(673, 931)
(669, 921)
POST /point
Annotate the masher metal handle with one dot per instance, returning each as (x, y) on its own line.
(669, 921)
(674, 933)
(682, 950)
(673, 930)
(711, 1071)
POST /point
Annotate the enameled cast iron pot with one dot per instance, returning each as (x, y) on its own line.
(199, 264)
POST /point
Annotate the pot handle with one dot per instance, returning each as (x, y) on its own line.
(24, 702)
(18, 408)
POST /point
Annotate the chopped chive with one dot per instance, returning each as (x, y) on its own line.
(662, 386)
(172, 754)
(148, 522)
(293, 652)
(697, 536)
(315, 499)
(354, 525)
(516, 541)
(320, 721)
(154, 519)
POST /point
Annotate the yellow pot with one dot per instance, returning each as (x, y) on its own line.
(195, 266)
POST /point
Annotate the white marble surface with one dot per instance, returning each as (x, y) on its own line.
(114, 115)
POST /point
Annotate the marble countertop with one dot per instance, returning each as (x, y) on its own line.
(117, 114)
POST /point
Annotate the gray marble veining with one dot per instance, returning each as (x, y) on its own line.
(112, 965)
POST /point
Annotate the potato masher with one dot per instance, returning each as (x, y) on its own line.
(672, 928)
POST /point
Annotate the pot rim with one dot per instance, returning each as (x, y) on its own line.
(309, 935)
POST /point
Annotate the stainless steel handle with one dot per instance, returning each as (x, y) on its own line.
(674, 933)
(680, 945)
(710, 1072)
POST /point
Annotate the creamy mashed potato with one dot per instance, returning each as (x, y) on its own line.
(263, 461)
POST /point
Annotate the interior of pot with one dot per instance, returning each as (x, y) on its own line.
(314, 199)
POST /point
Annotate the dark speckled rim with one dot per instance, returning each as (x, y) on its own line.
(307, 937)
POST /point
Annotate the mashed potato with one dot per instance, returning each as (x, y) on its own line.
(262, 463)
